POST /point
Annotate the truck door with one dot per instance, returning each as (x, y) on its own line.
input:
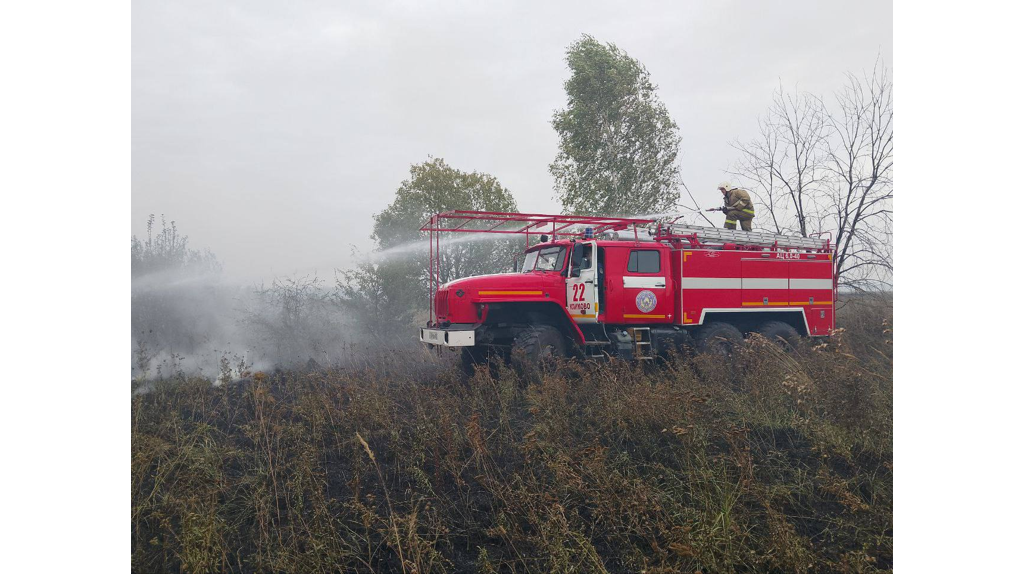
(581, 287)
(645, 286)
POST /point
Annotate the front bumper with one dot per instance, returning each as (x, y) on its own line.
(448, 337)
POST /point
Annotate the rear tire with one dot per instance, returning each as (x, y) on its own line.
(538, 344)
(719, 339)
(782, 334)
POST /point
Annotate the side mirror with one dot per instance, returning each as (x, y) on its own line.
(576, 272)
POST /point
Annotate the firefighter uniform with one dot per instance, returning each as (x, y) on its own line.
(738, 207)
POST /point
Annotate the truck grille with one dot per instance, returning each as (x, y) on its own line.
(441, 304)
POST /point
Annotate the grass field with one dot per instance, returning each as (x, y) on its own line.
(766, 462)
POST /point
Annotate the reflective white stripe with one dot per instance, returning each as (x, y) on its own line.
(762, 283)
(810, 283)
(711, 283)
(748, 283)
(643, 282)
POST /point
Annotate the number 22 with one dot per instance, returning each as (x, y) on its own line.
(577, 292)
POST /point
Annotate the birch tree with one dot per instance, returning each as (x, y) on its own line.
(617, 143)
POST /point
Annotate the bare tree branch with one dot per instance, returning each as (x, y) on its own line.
(816, 169)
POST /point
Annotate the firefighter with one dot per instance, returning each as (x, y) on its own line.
(738, 206)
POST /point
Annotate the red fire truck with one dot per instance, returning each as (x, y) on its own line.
(627, 287)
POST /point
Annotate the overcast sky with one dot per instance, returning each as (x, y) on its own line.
(273, 131)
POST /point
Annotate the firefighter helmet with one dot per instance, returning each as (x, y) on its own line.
(725, 185)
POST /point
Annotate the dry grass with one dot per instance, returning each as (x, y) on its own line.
(767, 462)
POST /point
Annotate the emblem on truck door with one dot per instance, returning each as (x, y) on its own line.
(646, 301)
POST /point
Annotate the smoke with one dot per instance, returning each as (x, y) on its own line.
(181, 324)
(202, 325)
(188, 319)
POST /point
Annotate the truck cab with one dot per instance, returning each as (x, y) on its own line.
(576, 287)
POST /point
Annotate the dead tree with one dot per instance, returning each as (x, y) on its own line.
(815, 170)
(860, 160)
(785, 167)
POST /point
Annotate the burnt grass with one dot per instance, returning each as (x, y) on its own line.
(763, 462)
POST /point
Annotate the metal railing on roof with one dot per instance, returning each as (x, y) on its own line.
(736, 236)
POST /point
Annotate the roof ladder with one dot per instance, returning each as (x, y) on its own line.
(739, 237)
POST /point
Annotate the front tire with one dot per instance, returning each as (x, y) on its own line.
(719, 339)
(538, 344)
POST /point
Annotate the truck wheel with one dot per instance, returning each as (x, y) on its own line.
(536, 344)
(719, 339)
(782, 334)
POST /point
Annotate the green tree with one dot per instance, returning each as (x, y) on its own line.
(617, 142)
(387, 292)
(434, 187)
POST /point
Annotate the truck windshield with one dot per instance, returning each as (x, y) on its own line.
(547, 259)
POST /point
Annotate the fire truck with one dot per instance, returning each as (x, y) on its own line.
(627, 287)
